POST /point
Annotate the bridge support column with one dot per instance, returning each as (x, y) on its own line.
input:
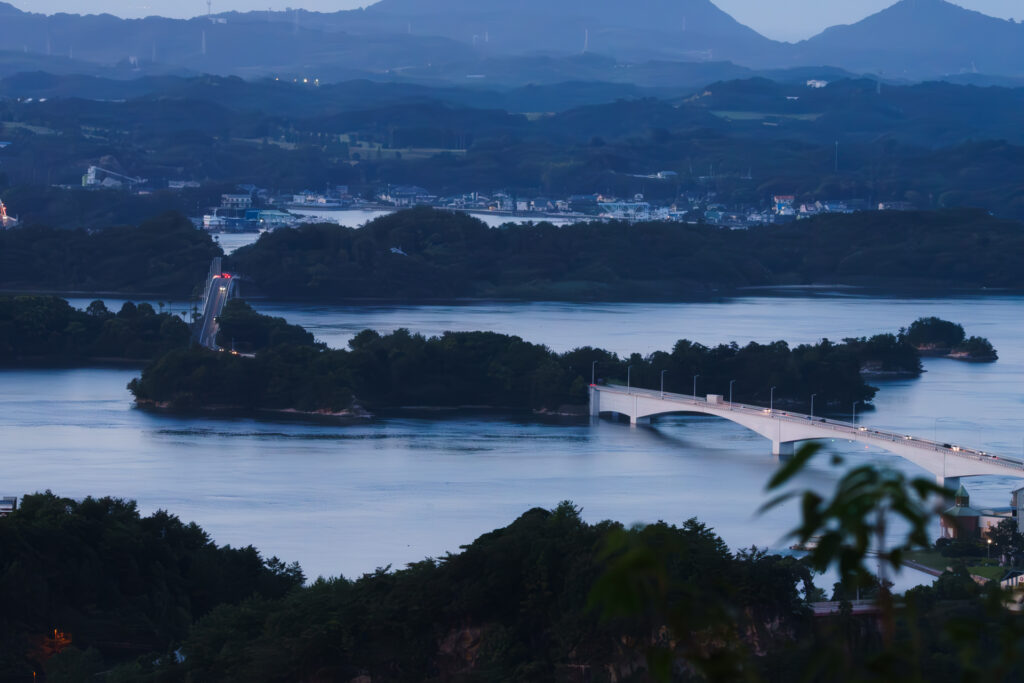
(779, 448)
(951, 483)
(634, 421)
(595, 402)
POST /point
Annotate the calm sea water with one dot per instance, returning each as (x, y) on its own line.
(350, 498)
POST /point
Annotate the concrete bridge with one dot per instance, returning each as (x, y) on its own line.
(220, 287)
(948, 462)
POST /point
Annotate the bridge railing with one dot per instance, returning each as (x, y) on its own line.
(838, 426)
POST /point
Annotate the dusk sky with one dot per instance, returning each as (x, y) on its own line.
(783, 20)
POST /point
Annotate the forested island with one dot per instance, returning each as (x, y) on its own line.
(936, 337)
(286, 370)
(422, 254)
(162, 256)
(46, 330)
(92, 590)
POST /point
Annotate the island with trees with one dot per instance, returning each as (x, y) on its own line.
(933, 336)
(285, 369)
(162, 256)
(46, 330)
(424, 254)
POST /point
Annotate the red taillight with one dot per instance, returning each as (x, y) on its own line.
(226, 276)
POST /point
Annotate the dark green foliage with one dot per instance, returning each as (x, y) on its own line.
(513, 605)
(935, 333)
(1005, 537)
(451, 255)
(43, 329)
(164, 255)
(976, 348)
(492, 370)
(886, 354)
(113, 580)
(244, 330)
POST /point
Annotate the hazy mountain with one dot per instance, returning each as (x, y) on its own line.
(248, 48)
(652, 43)
(920, 38)
(679, 29)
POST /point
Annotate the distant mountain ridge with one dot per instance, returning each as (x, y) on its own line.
(915, 36)
(913, 39)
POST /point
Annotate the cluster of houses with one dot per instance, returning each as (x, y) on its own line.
(253, 208)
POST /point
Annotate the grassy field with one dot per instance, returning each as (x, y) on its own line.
(979, 567)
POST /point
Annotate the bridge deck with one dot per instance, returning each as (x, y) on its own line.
(818, 426)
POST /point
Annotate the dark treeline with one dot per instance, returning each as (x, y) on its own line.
(522, 603)
(493, 370)
(242, 329)
(94, 592)
(114, 583)
(164, 255)
(44, 329)
(454, 255)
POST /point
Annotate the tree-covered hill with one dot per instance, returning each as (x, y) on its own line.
(449, 255)
(47, 330)
(100, 577)
(165, 255)
(485, 369)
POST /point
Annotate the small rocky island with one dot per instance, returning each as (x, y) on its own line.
(937, 337)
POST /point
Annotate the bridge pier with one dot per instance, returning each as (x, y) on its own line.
(595, 402)
(779, 448)
(951, 483)
(634, 421)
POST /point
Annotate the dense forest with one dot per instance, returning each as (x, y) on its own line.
(450, 255)
(423, 254)
(48, 330)
(164, 255)
(97, 582)
(94, 591)
(496, 371)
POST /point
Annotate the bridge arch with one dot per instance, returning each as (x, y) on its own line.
(784, 429)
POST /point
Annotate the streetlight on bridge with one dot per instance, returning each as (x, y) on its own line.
(593, 370)
(695, 385)
(732, 381)
(663, 383)
(855, 413)
(812, 404)
(771, 400)
(629, 372)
